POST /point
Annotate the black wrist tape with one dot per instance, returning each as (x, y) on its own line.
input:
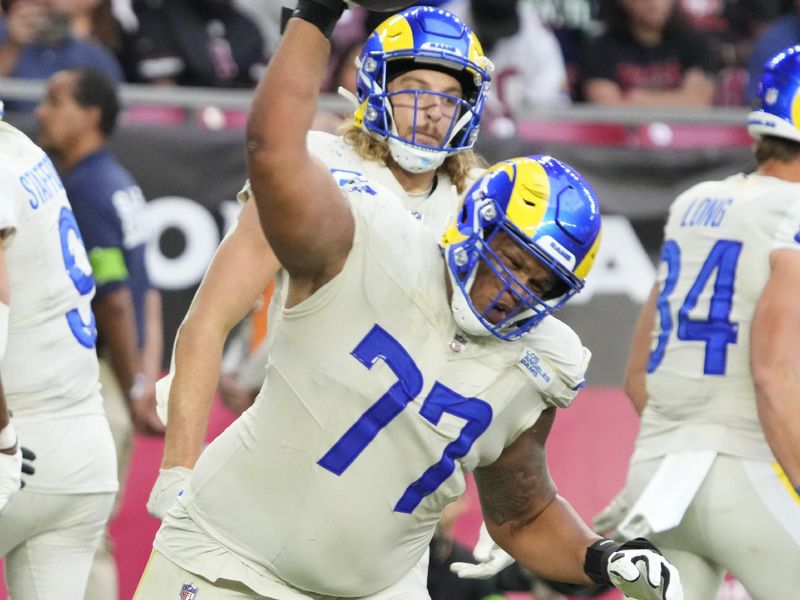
(598, 554)
(322, 14)
(596, 563)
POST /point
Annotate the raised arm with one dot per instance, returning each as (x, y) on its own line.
(775, 361)
(303, 213)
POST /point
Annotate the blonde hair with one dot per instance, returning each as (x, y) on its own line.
(457, 167)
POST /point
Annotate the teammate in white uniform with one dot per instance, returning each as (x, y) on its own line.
(427, 180)
(394, 371)
(50, 529)
(715, 370)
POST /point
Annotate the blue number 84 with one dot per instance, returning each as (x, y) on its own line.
(717, 331)
(379, 344)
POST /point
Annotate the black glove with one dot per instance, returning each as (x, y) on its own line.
(323, 14)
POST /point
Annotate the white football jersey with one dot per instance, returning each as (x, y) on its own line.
(372, 412)
(50, 365)
(434, 209)
(714, 265)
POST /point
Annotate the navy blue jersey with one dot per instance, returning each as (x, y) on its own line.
(109, 206)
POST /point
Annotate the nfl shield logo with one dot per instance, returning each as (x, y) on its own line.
(188, 592)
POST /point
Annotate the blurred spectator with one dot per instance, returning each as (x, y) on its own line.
(111, 23)
(267, 15)
(40, 37)
(785, 32)
(648, 56)
(529, 66)
(196, 42)
(572, 22)
(732, 27)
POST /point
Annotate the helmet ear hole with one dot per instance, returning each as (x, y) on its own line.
(559, 289)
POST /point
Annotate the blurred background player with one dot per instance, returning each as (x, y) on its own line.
(51, 528)
(76, 119)
(715, 373)
(368, 427)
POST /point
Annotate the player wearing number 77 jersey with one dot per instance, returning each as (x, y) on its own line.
(50, 379)
(715, 370)
(398, 366)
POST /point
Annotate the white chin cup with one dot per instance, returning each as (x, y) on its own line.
(415, 160)
(465, 317)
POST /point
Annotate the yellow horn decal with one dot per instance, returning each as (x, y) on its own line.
(585, 265)
(530, 196)
(796, 110)
(396, 34)
(475, 49)
(452, 235)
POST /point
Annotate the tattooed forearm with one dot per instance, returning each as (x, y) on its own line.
(517, 487)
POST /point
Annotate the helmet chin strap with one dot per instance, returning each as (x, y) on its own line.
(464, 316)
(415, 160)
(420, 160)
(348, 95)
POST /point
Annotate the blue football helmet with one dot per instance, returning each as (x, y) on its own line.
(777, 106)
(422, 37)
(550, 211)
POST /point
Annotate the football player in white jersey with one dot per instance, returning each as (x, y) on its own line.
(397, 366)
(714, 371)
(411, 152)
(50, 529)
(408, 151)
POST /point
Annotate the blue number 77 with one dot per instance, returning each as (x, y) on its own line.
(379, 344)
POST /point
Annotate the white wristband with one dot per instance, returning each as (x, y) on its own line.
(8, 437)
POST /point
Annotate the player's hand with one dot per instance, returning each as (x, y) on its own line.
(639, 571)
(491, 559)
(143, 409)
(168, 486)
(607, 520)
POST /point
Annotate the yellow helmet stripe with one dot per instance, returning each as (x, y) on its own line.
(396, 34)
(530, 196)
(585, 265)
